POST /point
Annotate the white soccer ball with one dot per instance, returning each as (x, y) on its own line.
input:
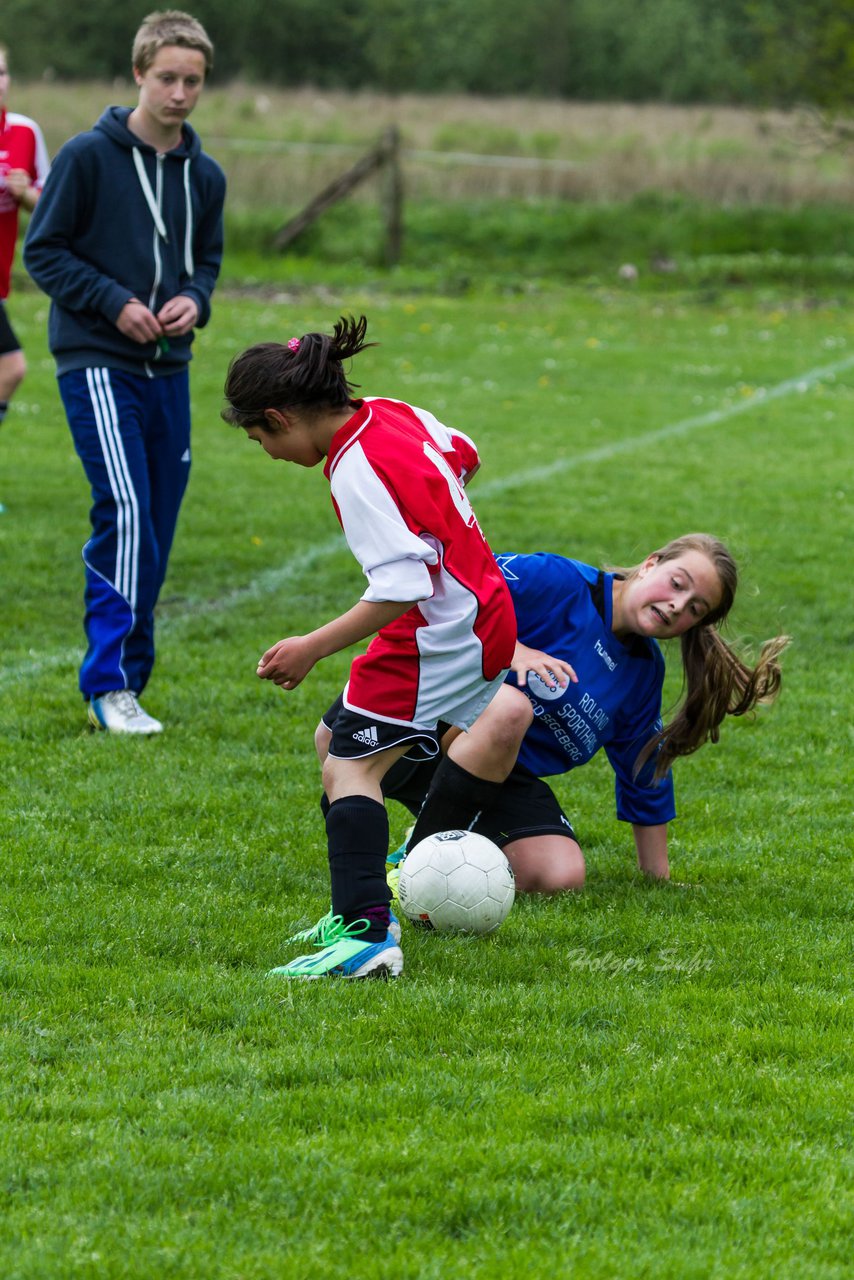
(456, 881)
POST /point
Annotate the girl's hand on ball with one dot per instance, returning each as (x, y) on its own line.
(552, 671)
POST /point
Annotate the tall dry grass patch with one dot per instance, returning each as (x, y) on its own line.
(280, 147)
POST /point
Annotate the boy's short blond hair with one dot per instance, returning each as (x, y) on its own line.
(170, 26)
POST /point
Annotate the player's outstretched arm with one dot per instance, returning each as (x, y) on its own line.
(651, 844)
(289, 662)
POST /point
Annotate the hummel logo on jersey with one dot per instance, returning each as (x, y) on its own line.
(503, 563)
(368, 736)
(605, 656)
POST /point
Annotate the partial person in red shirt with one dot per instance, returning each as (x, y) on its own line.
(23, 169)
(436, 604)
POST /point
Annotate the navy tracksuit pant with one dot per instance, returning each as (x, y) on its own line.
(132, 434)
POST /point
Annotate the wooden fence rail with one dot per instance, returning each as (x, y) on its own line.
(384, 156)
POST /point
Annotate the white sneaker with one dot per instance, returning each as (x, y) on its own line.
(120, 712)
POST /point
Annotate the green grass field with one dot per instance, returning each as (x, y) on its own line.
(636, 1081)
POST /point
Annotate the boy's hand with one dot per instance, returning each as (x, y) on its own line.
(552, 671)
(288, 662)
(139, 324)
(178, 315)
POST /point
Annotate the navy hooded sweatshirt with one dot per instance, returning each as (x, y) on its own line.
(116, 221)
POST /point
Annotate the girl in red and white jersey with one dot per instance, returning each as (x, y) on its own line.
(23, 169)
(436, 603)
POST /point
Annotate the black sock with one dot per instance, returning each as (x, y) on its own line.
(454, 802)
(4, 405)
(357, 832)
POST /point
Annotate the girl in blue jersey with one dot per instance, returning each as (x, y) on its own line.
(608, 625)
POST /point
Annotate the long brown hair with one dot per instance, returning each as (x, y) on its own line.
(717, 682)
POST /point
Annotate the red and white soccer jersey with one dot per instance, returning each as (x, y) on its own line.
(396, 475)
(21, 147)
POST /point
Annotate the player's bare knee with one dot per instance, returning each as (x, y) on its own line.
(519, 715)
(510, 719)
(570, 870)
(508, 742)
(551, 880)
(571, 878)
(552, 873)
(13, 367)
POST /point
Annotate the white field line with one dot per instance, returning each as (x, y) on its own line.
(684, 427)
(272, 581)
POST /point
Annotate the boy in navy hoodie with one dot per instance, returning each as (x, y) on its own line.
(127, 242)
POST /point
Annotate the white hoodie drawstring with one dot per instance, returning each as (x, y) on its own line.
(189, 264)
(155, 210)
(149, 194)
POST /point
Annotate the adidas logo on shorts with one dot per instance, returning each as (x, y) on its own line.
(368, 736)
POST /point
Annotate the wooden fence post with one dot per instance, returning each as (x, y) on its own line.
(386, 154)
(393, 199)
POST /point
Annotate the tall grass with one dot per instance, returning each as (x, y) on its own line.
(576, 151)
(511, 246)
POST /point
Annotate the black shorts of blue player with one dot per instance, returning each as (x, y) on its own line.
(526, 805)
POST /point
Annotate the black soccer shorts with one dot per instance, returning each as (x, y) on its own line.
(526, 805)
(355, 735)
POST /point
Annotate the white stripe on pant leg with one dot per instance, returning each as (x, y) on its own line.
(130, 523)
(127, 550)
(115, 479)
(133, 583)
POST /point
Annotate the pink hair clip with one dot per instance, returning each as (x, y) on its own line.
(293, 344)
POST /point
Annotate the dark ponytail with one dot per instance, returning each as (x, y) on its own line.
(306, 371)
(718, 683)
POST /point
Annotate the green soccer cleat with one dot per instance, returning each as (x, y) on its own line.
(397, 855)
(392, 877)
(393, 864)
(327, 927)
(316, 935)
(345, 955)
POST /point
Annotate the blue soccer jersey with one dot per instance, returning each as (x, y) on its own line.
(564, 608)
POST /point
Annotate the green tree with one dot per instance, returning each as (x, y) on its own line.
(805, 51)
(656, 51)
(635, 50)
